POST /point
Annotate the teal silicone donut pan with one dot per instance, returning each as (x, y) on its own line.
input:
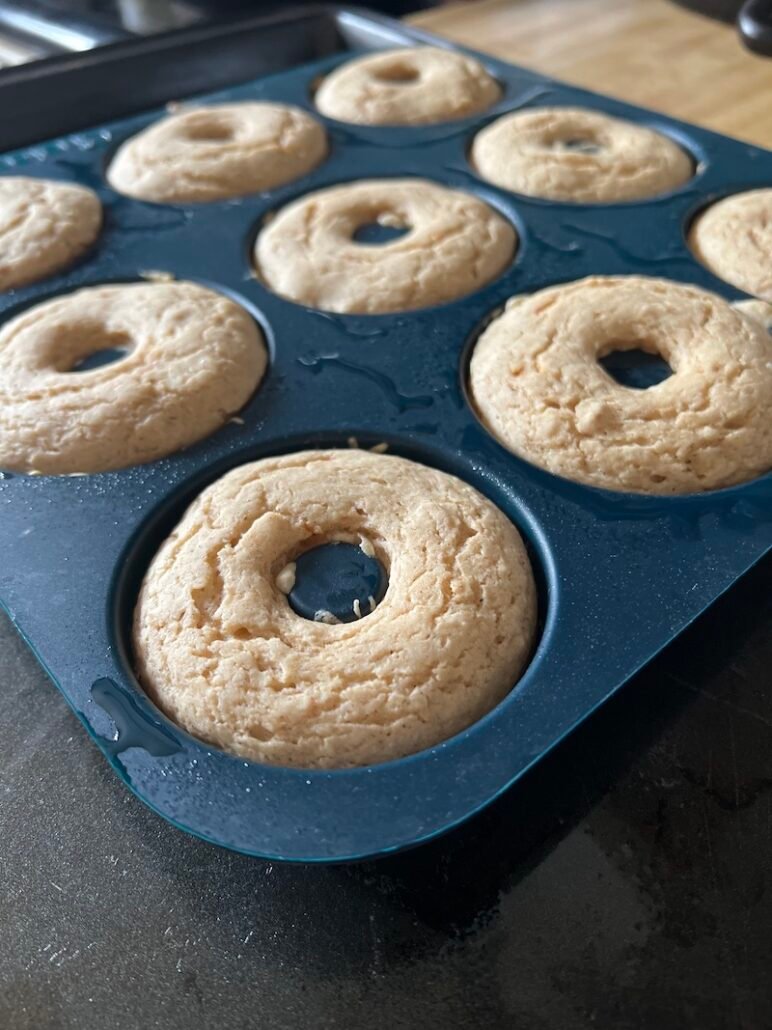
(619, 575)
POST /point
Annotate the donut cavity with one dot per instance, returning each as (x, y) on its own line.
(635, 367)
(399, 73)
(113, 347)
(208, 129)
(336, 581)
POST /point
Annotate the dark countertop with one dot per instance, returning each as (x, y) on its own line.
(624, 883)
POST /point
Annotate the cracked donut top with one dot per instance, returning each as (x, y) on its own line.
(218, 151)
(578, 155)
(407, 86)
(222, 652)
(44, 227)
(538, 384)
(452, 244)
(182, 358)
(733, 238)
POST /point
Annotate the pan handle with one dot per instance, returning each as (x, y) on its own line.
(754, 23)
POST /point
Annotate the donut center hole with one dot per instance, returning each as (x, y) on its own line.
(580, 145)
(209, 130)
(110, 348)
(334, 582)
(634, 367)
(384, 229)
(398, 73)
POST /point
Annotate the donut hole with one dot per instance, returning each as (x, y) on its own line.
(87, 348)
(580, 145)
(566, 135)
(334, 582)
(636, 367)
(577, 139)
(400, 73)
(100, 358)
(377, 234)
(376, 228)
(211, 129)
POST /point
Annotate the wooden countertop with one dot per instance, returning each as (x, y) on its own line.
(649, 52)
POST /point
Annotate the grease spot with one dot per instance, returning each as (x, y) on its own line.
(134, 727)
(402, 401)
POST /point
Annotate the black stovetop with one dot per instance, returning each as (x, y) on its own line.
(624, 883)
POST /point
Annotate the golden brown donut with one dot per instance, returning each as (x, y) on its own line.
(578, 155)
(192, 358)
(733, 238)
(456, 243)
(409, 86)
(44, 227)
(539, 388)
(219, 151)
(220, 650)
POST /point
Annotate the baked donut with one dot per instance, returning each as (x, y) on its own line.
(455, 244)
(191, 357)
(538, 387)
(216, 152)
(733, 238)
(410, 86)
(44, 226)
(220, 650)
(578, 155)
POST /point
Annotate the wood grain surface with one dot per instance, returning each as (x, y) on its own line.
(649, 52)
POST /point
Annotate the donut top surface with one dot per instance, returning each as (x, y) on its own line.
(218, 151)
(759, 310)
(187, 358)
(733, 238)
(44, 226)
(408, 86)
(537, 384)
(578, 155)
(453, 243)
(221, 651)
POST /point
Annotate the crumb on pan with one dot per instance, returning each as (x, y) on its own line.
(285, 580)
(153, 275)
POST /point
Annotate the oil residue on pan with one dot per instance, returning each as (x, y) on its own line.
(618, 575)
